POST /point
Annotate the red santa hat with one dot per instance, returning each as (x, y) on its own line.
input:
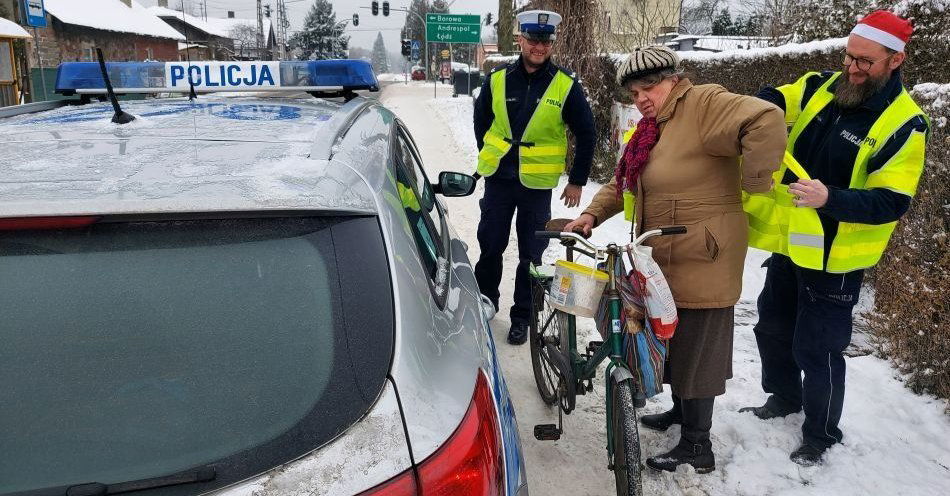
(886, 28)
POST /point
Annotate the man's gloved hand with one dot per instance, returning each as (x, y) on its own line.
(571, 195)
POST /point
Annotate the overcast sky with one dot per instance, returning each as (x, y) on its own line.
(362, 36)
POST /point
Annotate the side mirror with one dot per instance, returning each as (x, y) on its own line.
(454, 184)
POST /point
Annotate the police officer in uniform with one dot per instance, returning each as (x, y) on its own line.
(860, 139)
(521, 116)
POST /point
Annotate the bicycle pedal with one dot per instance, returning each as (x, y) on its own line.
(547, 432)
(593, 346)
(590, 386)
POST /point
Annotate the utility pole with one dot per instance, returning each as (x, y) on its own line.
(260, 31)
(282, 28)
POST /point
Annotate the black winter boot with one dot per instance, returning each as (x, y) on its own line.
(694, 447)
(807, 455)
(518, 333)
(663, 421)
(773, 408)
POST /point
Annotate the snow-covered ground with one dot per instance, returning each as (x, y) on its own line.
(895, 441)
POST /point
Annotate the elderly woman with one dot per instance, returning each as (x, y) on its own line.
(681, 166)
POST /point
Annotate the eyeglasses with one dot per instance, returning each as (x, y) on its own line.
(863, 64)
(546, 43)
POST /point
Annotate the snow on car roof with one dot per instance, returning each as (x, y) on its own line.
(214, 154)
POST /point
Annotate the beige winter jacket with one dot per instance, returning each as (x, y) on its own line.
(694, 178)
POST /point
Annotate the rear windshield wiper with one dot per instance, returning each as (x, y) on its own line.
(201, 474)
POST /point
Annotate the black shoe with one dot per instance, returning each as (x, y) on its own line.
(770, 410)
(518, 333)
(662, 421)
(700, 456)
(807, 455)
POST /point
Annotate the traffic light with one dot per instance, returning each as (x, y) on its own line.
(375, 7)
(406, 47)
(267, 10)
(385, 8)
(356, 19)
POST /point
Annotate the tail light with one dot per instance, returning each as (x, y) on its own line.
(403, 484)
(32, 223)
(470, 463)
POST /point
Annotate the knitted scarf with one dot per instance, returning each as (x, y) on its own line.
(635, 155)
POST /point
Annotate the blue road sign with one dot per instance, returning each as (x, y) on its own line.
(415, 50)
(35, 13)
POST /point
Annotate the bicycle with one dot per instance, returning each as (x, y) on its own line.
(561, 372)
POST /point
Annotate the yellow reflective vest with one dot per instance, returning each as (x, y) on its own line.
(543, 154)
(776, 225)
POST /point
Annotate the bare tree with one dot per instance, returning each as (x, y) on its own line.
(244, 36)
(778, 17)
(506, 23)
(632, 24)
(697, 15)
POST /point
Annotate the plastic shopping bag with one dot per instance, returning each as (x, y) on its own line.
(643, 352)
(657, 298)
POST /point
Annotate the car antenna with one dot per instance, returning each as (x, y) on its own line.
(191, 85)
(120, 117)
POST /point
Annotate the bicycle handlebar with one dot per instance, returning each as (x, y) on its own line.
(571, 236)
(548, 234)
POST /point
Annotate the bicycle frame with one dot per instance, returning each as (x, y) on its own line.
(583, 367)
(586, 368)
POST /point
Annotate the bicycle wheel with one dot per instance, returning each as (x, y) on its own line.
(545, 329)
(626, 440)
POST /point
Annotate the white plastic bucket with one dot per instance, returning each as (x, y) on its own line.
(576, 288)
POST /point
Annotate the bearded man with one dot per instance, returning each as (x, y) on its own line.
(861, 139)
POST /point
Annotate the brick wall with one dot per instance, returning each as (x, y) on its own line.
(61, 42)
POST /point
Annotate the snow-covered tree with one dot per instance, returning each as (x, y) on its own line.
(380, 58)
(322, 36)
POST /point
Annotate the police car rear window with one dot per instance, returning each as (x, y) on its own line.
(140, 349)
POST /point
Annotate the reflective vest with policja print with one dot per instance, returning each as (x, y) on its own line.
(778, 226)
(542, 157)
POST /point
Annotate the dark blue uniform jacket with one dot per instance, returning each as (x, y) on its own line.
(524, 92)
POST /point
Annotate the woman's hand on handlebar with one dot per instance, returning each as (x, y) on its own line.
(581, 225)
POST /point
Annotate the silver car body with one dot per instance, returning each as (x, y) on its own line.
(254, 154)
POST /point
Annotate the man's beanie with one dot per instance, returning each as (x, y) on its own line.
(644, 61)
(885, 28)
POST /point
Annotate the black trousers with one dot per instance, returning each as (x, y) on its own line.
(804, 326)
(503, 197)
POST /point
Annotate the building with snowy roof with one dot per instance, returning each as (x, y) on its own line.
(711, 43)
(204, 41)
(9, 77)
(125, 30)
(246, 35)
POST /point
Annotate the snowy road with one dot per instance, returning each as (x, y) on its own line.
(895, 441)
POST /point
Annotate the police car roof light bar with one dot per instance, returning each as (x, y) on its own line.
(120, 117)
(321, 77)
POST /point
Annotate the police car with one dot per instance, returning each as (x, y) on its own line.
(238, 295)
